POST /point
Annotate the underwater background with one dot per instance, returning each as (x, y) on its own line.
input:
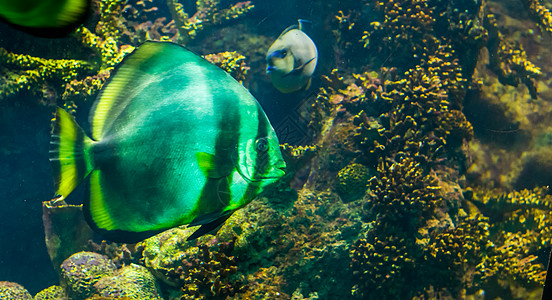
(419, 159)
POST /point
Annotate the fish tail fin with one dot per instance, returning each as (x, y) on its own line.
(69, 153)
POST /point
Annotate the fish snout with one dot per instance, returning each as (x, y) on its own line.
(270, 69)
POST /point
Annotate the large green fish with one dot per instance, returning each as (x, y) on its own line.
(175, 140)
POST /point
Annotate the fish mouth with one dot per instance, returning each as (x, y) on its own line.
(275, 173)
(270, 69)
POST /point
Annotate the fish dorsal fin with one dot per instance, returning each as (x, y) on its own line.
(301, 22)
(290, 28)
(146, 65)
(299, 26)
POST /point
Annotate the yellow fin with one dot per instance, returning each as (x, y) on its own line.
(206, 163)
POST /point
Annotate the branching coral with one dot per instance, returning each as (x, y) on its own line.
(381, 268)
(208, 13)
(119, 254)
(403, 195)
(509, 61)
(231, 62)
(540, 14)
(519, 226)
(208, 273)
(402, 28)
(37, 75)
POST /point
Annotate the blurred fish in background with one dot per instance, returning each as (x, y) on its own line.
(44, 18)
(291, 60)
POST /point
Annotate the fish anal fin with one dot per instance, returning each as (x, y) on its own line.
(211, 227)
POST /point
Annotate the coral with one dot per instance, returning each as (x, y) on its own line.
(540, 14)
(417, 114)
(402, 27)
(198, 267)
(132, 281)
(520, 227)
(404, 197)
(208, 13)
(54, 292)
(352, 181)
(208, 273)
(382, 268)
(509, 61)
(264, 284)
(37, 75)
(231, 62)
(452, 257)
(81, 271)
(119, 254)
(13, 291)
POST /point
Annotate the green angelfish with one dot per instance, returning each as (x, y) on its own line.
(175, 140)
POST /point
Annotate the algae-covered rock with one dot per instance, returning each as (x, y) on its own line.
(13, 291)
(54, 292)
(133, 281)
(352, 182)
(81, 271)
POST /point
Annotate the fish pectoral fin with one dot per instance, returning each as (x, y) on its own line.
(299, 69)
(209, 227)
(207, 164)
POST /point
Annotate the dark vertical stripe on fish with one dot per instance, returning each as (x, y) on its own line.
(216, 192)
(260, 159)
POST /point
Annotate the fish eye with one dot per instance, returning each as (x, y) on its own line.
(261, 145)
(284, 53)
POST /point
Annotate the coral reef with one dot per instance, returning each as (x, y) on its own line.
(201, 269)
(13, 291)
(407, 190)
